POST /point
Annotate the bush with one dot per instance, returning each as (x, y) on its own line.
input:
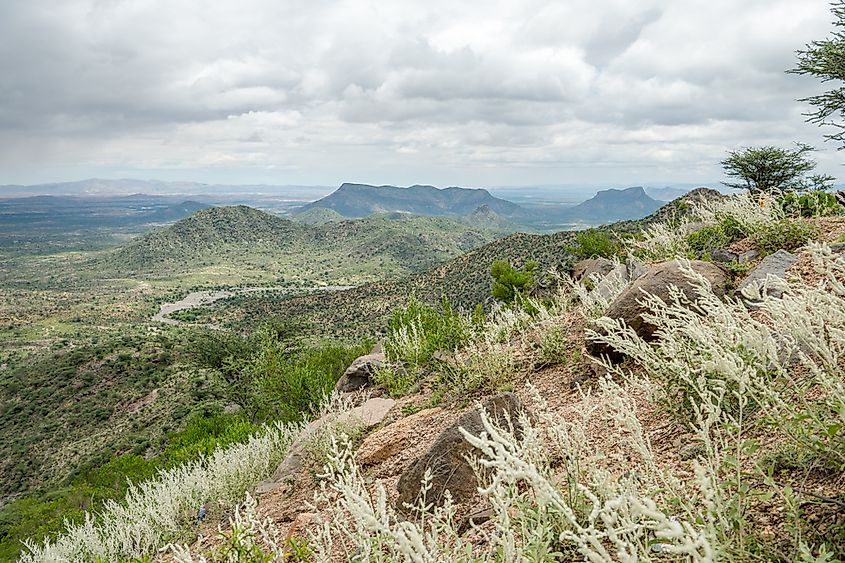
(417, 331)
(593, 242)
(810, 204)
(508, 282)
(784, 234)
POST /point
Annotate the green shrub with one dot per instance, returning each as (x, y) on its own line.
(707, 239)
(508, 282)
(784, 234)
(594, 242)
(417, 331)
(810, 204)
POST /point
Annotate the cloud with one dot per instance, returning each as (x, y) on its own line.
(501, 91)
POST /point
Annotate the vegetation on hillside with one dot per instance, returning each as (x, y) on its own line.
(173, 398)
(754, 397)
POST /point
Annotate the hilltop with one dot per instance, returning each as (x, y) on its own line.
(360, 200)
(351, 251)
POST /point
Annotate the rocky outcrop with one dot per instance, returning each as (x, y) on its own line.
(775, 265)
(393, 438)
(358, 375)
(592, 266)
(369, 414)
(446, 459)
(629, 307)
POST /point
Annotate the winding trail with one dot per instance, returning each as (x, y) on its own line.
(202, 298)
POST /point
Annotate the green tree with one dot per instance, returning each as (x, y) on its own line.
(772, 169)
(826, 60)
(508, 281)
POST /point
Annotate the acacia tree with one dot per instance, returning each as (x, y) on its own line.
(773, 169)
(826, 60)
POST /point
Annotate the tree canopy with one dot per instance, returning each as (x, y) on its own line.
(773, 169)
(825, 59)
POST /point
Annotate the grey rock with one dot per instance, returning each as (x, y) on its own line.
(837, 248)
(748, 256)
(447, 456)
(775, 265)
(586, 268)
(634, 269)
(723, 255)
(629, 307)
(358, 375)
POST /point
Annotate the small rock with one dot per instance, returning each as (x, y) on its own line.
(357, 375)
(723, 255)
(586, 268)
(775, 265)
(446, 457)
(837, 248)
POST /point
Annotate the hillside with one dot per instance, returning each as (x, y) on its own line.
(361, 200)
(704, 424)
(464, 280)
(318, 216)
(350, 251)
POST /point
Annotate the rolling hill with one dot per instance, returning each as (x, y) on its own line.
(361, 200)
(350, 251)
(464, 279)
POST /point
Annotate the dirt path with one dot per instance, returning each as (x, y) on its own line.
(202, 298)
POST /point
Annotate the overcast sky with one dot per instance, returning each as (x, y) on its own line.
(447, 92)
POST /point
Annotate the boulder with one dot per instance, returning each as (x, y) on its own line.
(775, 265)
(357, 375)
(393, 438)
(447, 456)
(586, 268)
(371, 413)
(628, 305)
(634, 269)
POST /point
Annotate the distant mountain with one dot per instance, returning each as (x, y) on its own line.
(64, 212)
(614, 205)
(361, 200)
(249, 240)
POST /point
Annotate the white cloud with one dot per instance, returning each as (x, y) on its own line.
(494, 92)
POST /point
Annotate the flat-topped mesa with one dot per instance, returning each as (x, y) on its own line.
(360, 200)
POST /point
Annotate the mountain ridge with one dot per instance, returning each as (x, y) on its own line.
(360, 200)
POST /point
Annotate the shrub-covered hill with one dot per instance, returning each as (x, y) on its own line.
(344, 251)
(463, 280)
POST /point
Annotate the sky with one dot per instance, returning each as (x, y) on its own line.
(443, 92)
